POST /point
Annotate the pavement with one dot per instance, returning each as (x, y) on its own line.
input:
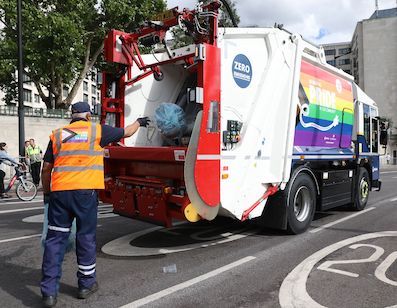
(388, 167)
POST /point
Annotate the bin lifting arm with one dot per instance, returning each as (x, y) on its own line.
(271, 190)
(154, 32)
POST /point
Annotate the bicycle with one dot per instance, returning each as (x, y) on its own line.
(26, 190)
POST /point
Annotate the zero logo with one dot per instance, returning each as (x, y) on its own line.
(242, 71)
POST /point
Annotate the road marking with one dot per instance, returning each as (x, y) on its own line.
(381, 270)
(124, 246)
(41, 207)
(386, 172)
(293, 292)
(22, 210)
(21, 202)
(341, 220)
(151, 298)
(9, 199)
(394, 199)
(19, 238)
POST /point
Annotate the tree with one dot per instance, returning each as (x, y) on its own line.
(181, 39)
(63, 39)
(224, 17)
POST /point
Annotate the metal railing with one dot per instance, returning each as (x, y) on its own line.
(40, 112)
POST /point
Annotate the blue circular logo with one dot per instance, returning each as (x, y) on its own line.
(242, 71)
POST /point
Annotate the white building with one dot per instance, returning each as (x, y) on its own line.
(373, 63)
(374, 49)
(89, 92)
(339, 55)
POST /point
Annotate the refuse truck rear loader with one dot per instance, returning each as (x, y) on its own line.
(250, 123)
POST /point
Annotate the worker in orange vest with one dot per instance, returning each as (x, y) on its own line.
(72, 172)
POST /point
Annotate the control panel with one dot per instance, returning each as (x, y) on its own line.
(232, 134)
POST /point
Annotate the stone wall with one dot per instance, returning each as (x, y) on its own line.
(37, 128)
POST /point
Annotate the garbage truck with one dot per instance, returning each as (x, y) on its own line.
(249, 123)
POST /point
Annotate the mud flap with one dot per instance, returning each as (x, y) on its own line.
(205, 211)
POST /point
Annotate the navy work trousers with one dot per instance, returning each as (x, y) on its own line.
(64, 206)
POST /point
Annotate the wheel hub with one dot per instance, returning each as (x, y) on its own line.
(302, 203)
(364, 189)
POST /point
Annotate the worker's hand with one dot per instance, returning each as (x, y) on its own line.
(143, 122)
(46, 198)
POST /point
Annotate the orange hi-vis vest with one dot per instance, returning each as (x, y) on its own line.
(78, 157)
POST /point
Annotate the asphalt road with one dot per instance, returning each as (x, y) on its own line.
(346, 259)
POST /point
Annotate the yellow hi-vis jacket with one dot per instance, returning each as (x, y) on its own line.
(78, 157)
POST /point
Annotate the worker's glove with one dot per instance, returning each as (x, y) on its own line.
(46, 198)
(144, 122)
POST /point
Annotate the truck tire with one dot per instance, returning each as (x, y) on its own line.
(363, 188)
(301, 204)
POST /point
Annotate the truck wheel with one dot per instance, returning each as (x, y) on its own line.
(301, 204)
(363, 189)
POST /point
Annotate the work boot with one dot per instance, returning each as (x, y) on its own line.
(87, 292)
(49, 301)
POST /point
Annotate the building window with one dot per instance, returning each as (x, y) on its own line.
(344, 61)
(93, 100)
(343, 51)
(85, 98)
(27, 95)
(93, 89)
(65, 91)
(331, 62)
(330, 52)
(98, 95)
(93, 77)
(37, 99)
(85, 86)
(26, 79)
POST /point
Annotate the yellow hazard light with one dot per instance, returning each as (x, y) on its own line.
(191, 213)
(167, 190)
(225, 176)
(302, 157)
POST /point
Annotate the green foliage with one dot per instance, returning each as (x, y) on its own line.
(180, 38)
(63, 39)
(224, 18)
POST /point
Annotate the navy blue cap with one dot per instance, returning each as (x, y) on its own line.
(81, 107)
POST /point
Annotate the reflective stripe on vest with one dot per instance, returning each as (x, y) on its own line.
(78, 157)
(75, 168)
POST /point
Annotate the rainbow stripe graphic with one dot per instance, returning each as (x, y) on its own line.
(326, 112)
(80, 137)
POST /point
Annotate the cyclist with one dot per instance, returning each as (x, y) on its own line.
(3, 158)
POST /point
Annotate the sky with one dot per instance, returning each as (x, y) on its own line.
(319, 21)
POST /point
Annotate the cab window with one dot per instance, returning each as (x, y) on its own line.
(367, 126)
(374, 136)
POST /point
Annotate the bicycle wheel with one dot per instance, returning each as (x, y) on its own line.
(26, 192)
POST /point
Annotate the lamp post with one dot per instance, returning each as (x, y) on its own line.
(21, 115)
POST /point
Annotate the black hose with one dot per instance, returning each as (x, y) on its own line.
(229, 11)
